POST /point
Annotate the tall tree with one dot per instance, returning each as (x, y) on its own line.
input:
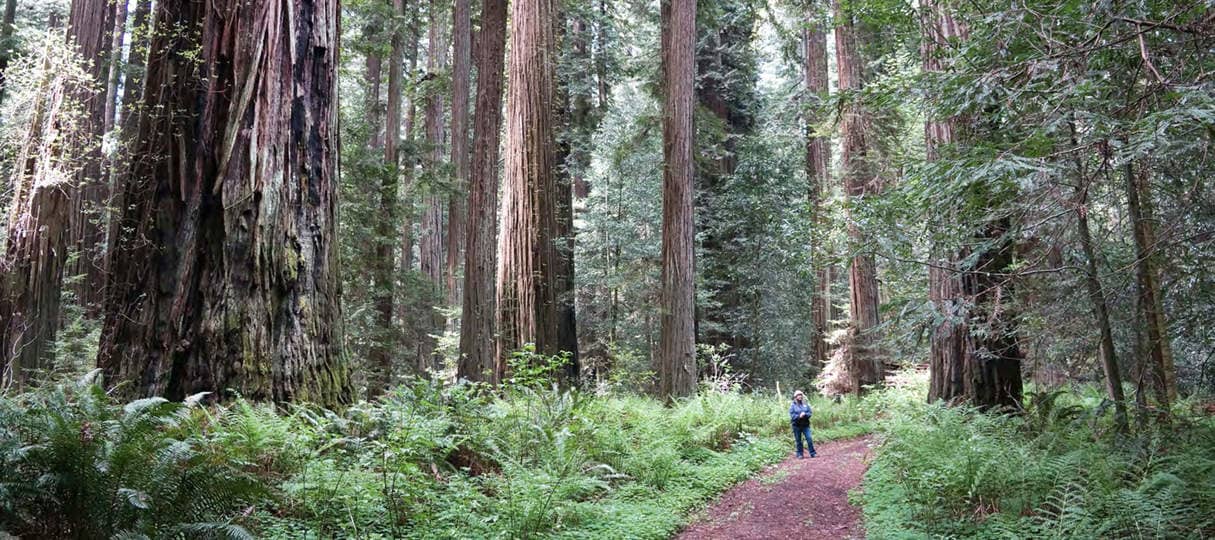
(224, 274)
(1149, 300)
(6, 37)
(860, 181)
(461, 65)
(386, 222)
(478, 358)
(974, 355)
(114, 71)
(90, 25)
(431, 244)
(31, 269)
(527, 253)
(676, 358)
(818, 168)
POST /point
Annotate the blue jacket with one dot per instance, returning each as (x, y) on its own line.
(797, 408)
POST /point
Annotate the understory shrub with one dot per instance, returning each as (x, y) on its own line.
(1059, 470)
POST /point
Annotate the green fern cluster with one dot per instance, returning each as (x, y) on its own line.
(1057, 471)
(78, 465)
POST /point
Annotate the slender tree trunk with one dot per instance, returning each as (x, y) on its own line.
(1159, 355)
(6, 38)
(676, 359)
(478, 357)
(860, 180)
(31, 270)
(90, 25)
(1109, 358)
(527, 251)
(408, 311)
(457, 210)
(818, 172)
(431, 245)
(115, 69)
(225, 275)
(129, 116)
(386, 233)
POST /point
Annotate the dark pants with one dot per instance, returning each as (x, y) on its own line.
(798, 434)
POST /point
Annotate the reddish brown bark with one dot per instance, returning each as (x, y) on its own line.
(974, 356)
(431, 243)
(676, 360)
(818, 172)
(224, 274)
(860, 181)
(478, 357)
(457, 210)
(527, 255)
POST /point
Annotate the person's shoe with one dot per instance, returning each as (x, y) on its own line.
(799, 456)
(813, 454)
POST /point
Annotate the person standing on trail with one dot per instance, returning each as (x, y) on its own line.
(799, 417)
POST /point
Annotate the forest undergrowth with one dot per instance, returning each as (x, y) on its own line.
(428, 460)
(1058, 470)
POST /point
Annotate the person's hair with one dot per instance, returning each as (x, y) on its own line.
(798, 393)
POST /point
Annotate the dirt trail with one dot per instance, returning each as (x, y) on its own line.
(795, 499)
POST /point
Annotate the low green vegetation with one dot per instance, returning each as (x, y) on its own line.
(426, 461)
(1060, 470)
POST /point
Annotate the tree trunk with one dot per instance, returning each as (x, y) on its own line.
(386, 224)
(224, 276)
(129, 117)
(1159, 354)
(974, 355)
(31, 270)
(115, 69)
(431, 258)
(457, 212)
(677, 374)
(90, 25)
(860, 180)
(478, 358)
(6, 38)
(527, 251)
(818, 172)
(1109, 358)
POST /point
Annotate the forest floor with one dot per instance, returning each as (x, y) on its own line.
(797, 498)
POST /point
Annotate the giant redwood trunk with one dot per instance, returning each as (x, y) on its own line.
(527, 252)
(478, 356)
(974, 355)
(865, 364)
(224, 275)
(32, 264)
(818, 172)
(677, 342)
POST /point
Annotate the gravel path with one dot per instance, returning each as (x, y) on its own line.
(795, 499)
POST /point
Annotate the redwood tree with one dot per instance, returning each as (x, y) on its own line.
(818, 171)
(676, 358)
(478, 359)
(860, 180)
(224, 274)
(431, 243)
(527, 254)
(461, 66)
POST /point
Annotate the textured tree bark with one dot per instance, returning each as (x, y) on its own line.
(974, 356)
(224, 276)
(860, 180)
(31, 270)
(457, 211)
(431, 244)
(574, 107)
(527, 253)
(478, 354)
(676, 359)
(115, 69)
(129, 116)
(1159, 353)
(90, 25)
(818, 172)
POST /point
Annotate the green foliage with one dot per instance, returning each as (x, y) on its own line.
(529, 369)
(1058, 471)
(78, 465)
